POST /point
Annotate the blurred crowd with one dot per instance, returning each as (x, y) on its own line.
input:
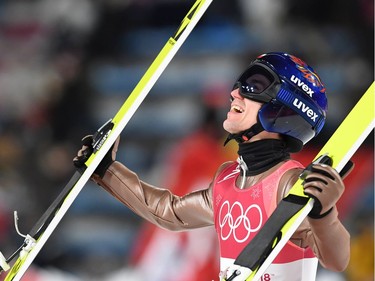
(67, 66)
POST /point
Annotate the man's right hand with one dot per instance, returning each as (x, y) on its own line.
(87, 149)
(84, 153)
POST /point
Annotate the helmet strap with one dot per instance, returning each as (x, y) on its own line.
(245, 135)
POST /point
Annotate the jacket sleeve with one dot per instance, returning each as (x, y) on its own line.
(330, 241)
(157, 205)
(327, 236)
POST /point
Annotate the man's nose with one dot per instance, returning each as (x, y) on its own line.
(235, 94)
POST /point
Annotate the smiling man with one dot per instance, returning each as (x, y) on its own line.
(278, 104)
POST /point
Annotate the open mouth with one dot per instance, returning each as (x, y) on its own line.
(236, 108)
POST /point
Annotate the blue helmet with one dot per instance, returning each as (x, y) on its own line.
(295, 103)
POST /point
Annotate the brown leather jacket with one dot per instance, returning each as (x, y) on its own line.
(327, 237)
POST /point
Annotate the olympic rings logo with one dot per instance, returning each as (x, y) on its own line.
(231, 224)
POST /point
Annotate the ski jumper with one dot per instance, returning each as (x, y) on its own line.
(240, 213)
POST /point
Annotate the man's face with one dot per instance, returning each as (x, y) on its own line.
(242, 114)
(243, 111)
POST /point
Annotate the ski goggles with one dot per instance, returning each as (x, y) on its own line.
(258, 83)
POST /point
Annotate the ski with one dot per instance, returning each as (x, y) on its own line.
(257, 256)
(104, 138)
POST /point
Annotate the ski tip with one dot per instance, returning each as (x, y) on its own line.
(4, 266)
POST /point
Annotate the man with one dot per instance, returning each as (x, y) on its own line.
(277, 105)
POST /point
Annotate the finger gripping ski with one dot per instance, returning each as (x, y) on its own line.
(258, 255)
(103, 140)
(317, 207)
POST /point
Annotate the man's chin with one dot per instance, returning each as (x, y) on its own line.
(227, 125)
